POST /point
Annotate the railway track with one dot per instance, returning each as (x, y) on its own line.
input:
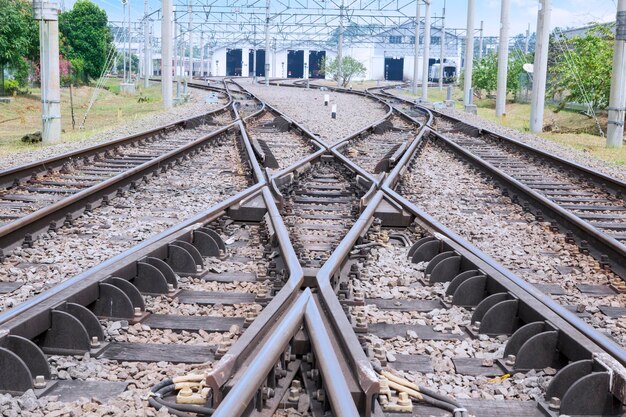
(593, 198)
(379, 150)
(318, 290)
(46, 194)
(586, 204)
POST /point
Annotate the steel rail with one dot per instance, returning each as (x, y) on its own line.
(601, 243)
(13, 234)
(185, 225)
(335, 147)
(32, 317)
(250, 339)
(430, 222)
(18, 174)
(590, 173)
(360, 364)
(238, 398)
(383, 93)
(337, 387)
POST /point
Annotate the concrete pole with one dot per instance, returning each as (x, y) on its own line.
(417, 47)
(146, 46)
(267, 43)
(340, 46)
(124, 46)
(175, 46)
(254, 52)
(481, 40)
(426, 61)
(617, 101)
(210, 63)
(527, 40)
(130, 54)
(201, 54)
(48, 16)
(166, 53)
(190, 11)
(442, 39)
(274, 60)
(537, 101)
(469, 53)
(503, 58)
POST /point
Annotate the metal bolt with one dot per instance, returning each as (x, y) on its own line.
(510, 360)
(313, 374)
(320, 395)
(40, 381)
(94, 342)
(170, 287)
(294, 395)
(476, 326)
(403, 399)
(296, 384)
(137, 311)
(267, 392)
(555, 403)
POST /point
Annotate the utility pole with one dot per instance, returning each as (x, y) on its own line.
(130, 55)
(267, 43)
(527, 40)
(442, 39)
(202, 54)
(426, 61)
(503, 59)
(537, 103)
(146, 47)
(123, 43)
(254, 56)
(417, 47)
(469, 55)
(340, 46)
(617, 102)
(166, 53)
(481, 40)
(190, 40)
(48, 15)
(274, 66)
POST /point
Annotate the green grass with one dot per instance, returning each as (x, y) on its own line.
(111, 109)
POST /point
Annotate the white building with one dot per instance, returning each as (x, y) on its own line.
(389, 55)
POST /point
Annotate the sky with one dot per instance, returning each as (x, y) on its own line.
(565, 13)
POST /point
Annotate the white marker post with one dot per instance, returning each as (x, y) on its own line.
(334, 111)
(326, 99)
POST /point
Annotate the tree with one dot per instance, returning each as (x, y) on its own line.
(350, 68)
(19, 41)
(86, 38)
(134, 63)
(485, 74)
(581, 71)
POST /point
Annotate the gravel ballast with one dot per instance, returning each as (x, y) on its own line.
(464, 200)
(181, 192)
(354, 113)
